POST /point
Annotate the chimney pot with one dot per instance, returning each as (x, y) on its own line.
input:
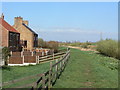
(2, 16)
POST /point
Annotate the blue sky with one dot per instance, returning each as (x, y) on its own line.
(70, 21)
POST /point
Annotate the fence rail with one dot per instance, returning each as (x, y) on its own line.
(50, 57)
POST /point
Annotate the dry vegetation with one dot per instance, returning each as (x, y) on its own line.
(48, 44)
(108, 47)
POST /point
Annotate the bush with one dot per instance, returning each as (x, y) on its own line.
(84, 45)
(88, 43)
(50, 44)
(40, 42)
(53, 45)
(5, 54)
(75, 44)
(6, 68)
(108, 47)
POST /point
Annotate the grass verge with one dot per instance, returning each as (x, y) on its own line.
(89, 70)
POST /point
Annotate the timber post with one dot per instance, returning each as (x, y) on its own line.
(50, 76)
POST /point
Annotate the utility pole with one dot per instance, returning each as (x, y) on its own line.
(101, 36)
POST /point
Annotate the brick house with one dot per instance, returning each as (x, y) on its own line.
(28, 38)
(10, 37)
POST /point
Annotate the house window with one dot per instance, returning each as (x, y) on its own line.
(17, 37)
(11, 35)
(10, 39)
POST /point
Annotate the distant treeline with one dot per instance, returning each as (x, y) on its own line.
(78, 44)
(48, 44)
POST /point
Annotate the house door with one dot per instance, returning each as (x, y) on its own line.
(25, 44)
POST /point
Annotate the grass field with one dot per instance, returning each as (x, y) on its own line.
(17, 72)
(83, 70)
(89, 70)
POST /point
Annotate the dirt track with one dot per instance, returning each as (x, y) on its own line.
(82, 49)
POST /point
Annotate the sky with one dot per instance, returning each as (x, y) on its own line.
(67, 21)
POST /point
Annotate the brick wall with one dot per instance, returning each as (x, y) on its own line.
(25, 33)
(4, 36)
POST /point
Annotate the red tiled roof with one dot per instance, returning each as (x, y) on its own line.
(7, 26)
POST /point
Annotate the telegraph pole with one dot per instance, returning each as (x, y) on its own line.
(101, 36)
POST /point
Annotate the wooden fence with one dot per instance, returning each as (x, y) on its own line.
(48, 78)
(27, 57)
(50, 57)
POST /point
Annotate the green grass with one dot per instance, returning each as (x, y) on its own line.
(18, 72)
(83, 70)
(89, 70)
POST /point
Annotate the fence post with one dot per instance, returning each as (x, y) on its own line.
(50, 76)
(56, 69)
(23, 59)
(21, 53)
(60, 66)
(42, 53)
(64, 60)
(38, 59)
(63, 63)
(11, 53)
(69, 55)
(66, 57)
(53, 55)
(32, 53)
(43, 81)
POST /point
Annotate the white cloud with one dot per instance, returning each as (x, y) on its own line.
(72, 34)
(68, 30)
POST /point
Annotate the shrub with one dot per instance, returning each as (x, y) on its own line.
(75, 44)
(50, 44)
(108, 47)
(88, 43)
(5, 54)
(40, 42)
(6, 68)
(84, 45)
(53, 45)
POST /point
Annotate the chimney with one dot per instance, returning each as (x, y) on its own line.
(2, 16)
(18, 21)
(25, 22)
